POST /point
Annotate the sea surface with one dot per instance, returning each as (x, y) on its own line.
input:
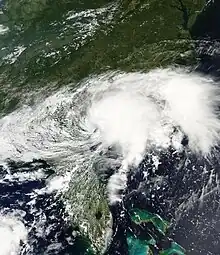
(109, 127)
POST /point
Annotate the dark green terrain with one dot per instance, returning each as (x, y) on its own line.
(47, 44)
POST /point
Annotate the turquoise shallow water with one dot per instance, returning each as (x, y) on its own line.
(45, 45)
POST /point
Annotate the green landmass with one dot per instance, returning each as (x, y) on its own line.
(48, 46)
